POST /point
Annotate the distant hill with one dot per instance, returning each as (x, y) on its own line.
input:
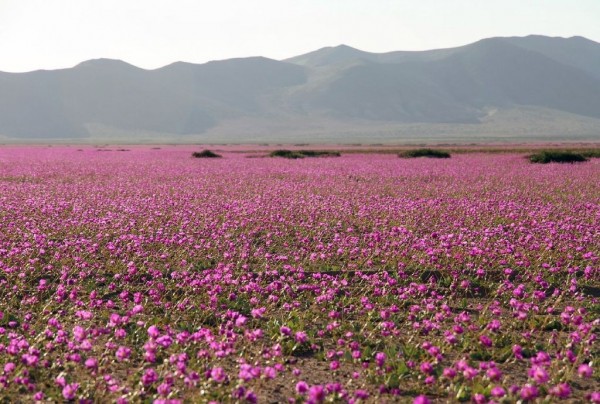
(519, 88)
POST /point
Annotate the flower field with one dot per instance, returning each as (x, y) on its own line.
(145, 275)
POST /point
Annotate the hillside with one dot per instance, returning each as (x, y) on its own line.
(337, 92)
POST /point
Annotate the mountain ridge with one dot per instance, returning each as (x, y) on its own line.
(333, 85)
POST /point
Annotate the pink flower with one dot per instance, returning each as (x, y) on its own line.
(494, 325)
(470, 373)
(361, 394)
(529, 392)
(123, 353)
(317, 394)
(517, 351)
(429, 379)
(91, 363)
(164, 341)
(301, 387)
(258, 313)
(251, 397)
(451, 338)
(498, 392)
(485, 341)
(426, 368)
(218, 375)
(585, 370)
(538, 374)
(479, 399)
(561, 390)
(60, 381)
(138, 308)
(494, 373)
(153, 331)
(79, 333)
(9, 367)
(380, 359)
(246, 372)
(421, 400)
(269, 372)
(120, 333)
(301, 337)
(164, 389)
(149, 377)
(69, 391)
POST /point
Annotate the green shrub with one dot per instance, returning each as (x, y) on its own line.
(590, 154)
(288, 154)
(556, 156)
(299, 154)
(205, 154)
(430, 153)
(319, 153)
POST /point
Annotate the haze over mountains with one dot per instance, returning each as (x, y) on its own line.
(514, 89)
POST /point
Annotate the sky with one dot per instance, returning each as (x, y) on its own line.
(50, 34)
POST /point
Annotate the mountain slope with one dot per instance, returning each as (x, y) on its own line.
(334, 88)
(180, 98)
(455, 88)
(576, 51)
(495, 72)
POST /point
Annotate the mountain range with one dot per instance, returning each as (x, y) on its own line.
(497, 89)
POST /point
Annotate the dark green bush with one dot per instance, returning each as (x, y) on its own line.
(299, 154)
(205, 154)
(556, 156)
(288, 154)
(593, 153)
(431, 153)
(319, 153)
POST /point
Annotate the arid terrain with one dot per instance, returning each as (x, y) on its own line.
(141, 274)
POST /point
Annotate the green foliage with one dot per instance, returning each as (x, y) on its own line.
(556, 156)
(300, 350)
(430, 153)
(319, 153)
(206, 154)
(554, 325)
(299, 154)
(480, 356)
(288, 154)
(591, 153)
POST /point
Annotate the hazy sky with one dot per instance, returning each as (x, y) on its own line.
(50, 34)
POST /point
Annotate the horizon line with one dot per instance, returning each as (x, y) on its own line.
(288, 58)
